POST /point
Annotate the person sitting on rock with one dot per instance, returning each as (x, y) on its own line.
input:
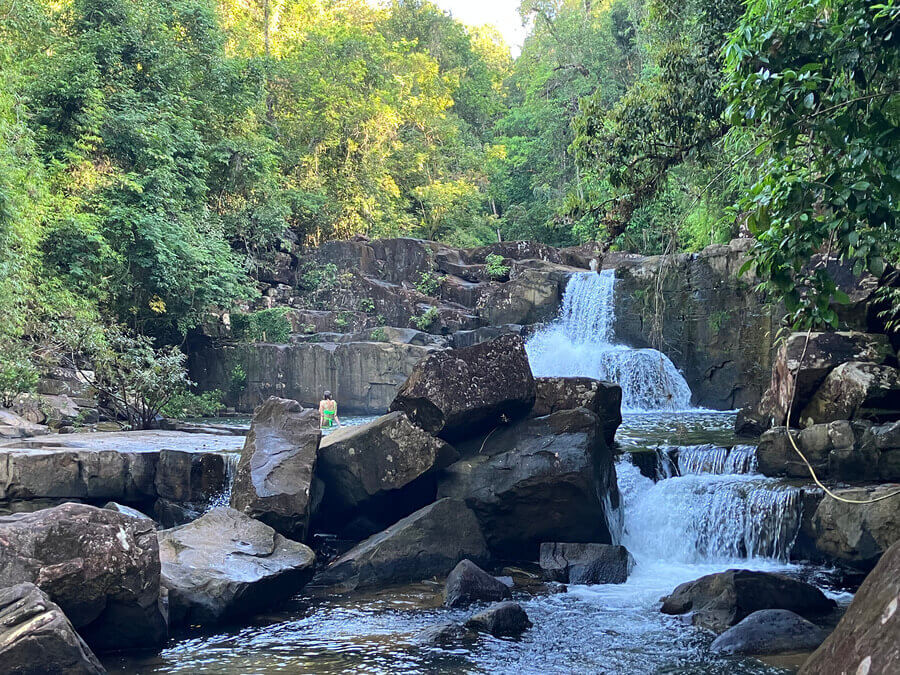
(328, 411)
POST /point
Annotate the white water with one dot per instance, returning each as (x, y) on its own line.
(224, 497)
(581, 343)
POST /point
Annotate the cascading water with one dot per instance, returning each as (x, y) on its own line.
(711, 459)
(581, 343)
(224, 497)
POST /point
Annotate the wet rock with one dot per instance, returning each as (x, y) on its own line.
(429, 542)
(226, 564)
(855, 390)
(99, 566)
(468, 583)
(183, 476)
(565, 393)
(857, 534)
(459, 392)
(443, 635)
(867, 639)
(36, 638)
(383, 470)
(272, 481)
(585, 563)
(718, 601)
(505, 619)
(14, 426)
(126, 510)
(824, 353)
(769, 631)
(749, 422)
(538, 480)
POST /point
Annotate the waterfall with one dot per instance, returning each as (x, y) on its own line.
(695, 459)
(224, 497)
(580, 342)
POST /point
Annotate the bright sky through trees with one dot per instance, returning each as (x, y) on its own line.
(501, 14)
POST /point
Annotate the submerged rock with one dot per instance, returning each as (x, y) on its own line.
(538, 480)
(274, 475)
(585, 563)
(226, 564)
(443, 635)
(429, 542)
(505, 619)
(468, 583)
(565, 393)
(99, 566)
(769, 631)
(720, 600)
(382, 470)
(867, 639)
(36, 638)
(459, 392)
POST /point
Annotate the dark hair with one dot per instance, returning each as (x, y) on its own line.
(327, 394)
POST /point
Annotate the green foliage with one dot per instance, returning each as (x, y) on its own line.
(237, 381)
(428, 283)
(718, 319)
(818, 80)
(18, 375)
(378, 335)
(186, 403)
(366, 305)
(265, 325)
(426, 319)
(495, 266)
(319, 277)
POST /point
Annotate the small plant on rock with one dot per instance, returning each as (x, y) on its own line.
(425, 320)
(495, 267)
(366, 305)
(428, 283)
(378, 335)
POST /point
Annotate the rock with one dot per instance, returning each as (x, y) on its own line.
(867, 639)
(585, 563)
(99, 566)
(769, 631)
(840, 450)
(429, 542)
(718, 601)
(855, 390)
(564, 393)
(749, 422)
(126, 511)
(531, 297)
(468, 583)
(14, 426)
(363, 376)
(172, 514)
(443, 635)
(226, 564)
(384, 470)
(857, 534)
(193, 477)
(36, 638)
(505, 619)
(824, 353)
(459, 392)
(538, 480)
(273, 477)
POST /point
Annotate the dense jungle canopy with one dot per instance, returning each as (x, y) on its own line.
(151, 149)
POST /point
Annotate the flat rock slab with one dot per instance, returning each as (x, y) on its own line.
(36, 638)
(226, 564)
(867, 639)
(101, 567)
(769, 631)
(573, 563)
(719, 601)
(273, 481)
(459, 392)
(427, 543)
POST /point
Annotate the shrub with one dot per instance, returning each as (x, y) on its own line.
(428, 283)
(18, 374)
(265, 325)
(237, 381)
(319, 277)
(186, 403)
(495, 267)
(426, 319)
(378, 335)
(366, 305)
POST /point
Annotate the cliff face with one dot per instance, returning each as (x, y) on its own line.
(363, 312)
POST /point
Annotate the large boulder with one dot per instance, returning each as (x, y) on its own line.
(384, 470)
(540, 479)
(274, 475)
(184, 476)
(823, 353)
(718, 601)
(867, 639)
(429, 542)
(564, 393)
(572, 563)
(769, 631)
(531, 297)
(226, 564)
(857, 534)
(101, 567)
(14, 426)
(36, 638)
(468, 583)
(459, 392)
(505, 619)
(855, 390)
